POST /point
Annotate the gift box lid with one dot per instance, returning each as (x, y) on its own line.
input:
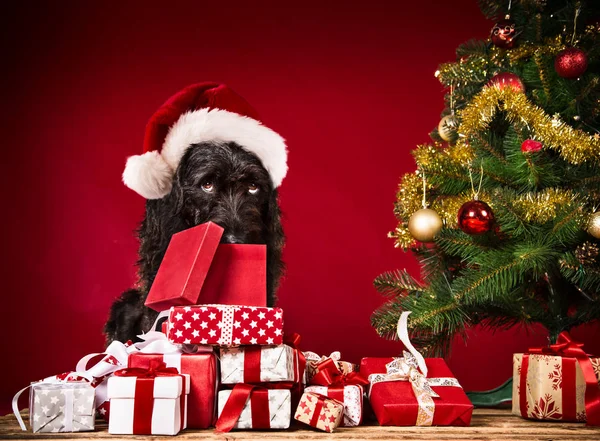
(164, 387)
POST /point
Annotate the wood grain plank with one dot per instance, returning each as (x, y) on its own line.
(487, 424)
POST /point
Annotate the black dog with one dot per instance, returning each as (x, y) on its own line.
(222, 183)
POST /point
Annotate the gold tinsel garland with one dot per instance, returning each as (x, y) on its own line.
(550, 47)
(542, 207)
(575, 146)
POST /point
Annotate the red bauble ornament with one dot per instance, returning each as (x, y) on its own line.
(571, 63)
(475, 217)
(507, 79)
(530, 146)
(504, 33)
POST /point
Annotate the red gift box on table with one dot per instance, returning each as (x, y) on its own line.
(414, 391)
(396, 404)
(225, 325)
(202, 369)
(196, 268)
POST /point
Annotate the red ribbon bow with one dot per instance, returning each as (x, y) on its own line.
(567, 347)
(157, 369)
(328, 374)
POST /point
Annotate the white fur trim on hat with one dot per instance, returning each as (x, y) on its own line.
(151, 175)
(148, 175)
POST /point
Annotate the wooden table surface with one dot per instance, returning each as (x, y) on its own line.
(487, 424)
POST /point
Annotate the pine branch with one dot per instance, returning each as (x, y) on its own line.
(397, 283)
(457, 243)
(472, 47)
(509, 220)
(568, 224)
(585, 277)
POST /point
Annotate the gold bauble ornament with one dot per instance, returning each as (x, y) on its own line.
(424, 224)
(447, 128)
(594, 225)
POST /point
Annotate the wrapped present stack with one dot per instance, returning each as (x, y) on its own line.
(222, 361)
(338, 380)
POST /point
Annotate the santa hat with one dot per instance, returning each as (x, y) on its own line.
(199, 113)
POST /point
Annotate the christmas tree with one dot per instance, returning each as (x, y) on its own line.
(511, 182)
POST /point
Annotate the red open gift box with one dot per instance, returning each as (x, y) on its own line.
(197, 268)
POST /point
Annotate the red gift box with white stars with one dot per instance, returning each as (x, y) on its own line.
(225, 325)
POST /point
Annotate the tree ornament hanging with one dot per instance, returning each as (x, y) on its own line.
(475, 216)
(507, 79)
(504, 33)
(424, 224)
(531, 146)
(448, 128)
(571, 63)
(594, 225)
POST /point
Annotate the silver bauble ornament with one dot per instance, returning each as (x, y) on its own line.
(447, 128)
(594, 225)
(424, 224)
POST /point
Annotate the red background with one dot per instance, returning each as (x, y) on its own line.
(351, 87)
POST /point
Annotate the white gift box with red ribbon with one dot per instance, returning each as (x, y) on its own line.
(163, 412)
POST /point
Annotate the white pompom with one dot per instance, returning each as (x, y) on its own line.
(148, 175)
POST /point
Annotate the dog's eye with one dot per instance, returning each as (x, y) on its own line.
(253, 188)
(208, 186)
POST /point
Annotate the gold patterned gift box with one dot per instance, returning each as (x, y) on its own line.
(557, 383)
(319, 411)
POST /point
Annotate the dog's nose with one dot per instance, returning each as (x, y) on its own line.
(232, 239)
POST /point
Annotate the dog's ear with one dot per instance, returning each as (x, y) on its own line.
(159, 224)
(275, 241)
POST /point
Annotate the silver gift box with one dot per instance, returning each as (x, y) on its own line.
(276, 364)
(280, 409)
(62, 407)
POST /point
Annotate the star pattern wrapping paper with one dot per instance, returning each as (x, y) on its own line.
(276, 364)
(280, 409)
(65, 407)
(225, 325)
(353, 402)
(545, 383)
(330, 415)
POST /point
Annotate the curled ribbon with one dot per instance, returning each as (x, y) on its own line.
(567, 347)
(411, 367)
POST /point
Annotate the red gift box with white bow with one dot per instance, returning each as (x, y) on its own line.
(414, 391)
